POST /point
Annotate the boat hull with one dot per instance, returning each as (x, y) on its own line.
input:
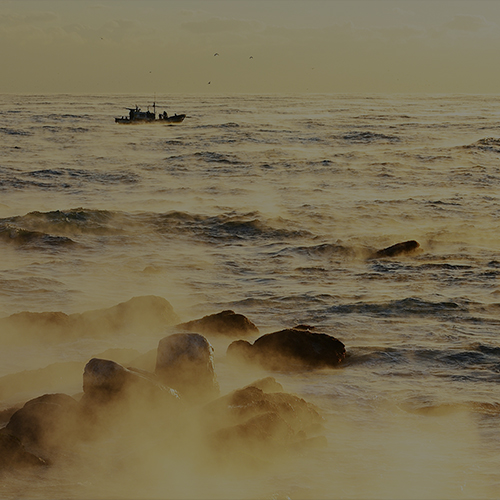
(168, 120)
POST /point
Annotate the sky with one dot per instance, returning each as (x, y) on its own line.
(262, 46)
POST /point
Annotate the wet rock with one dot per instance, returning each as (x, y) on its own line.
(405, 247)
(105, 381)
(14, 455)
(103, 378)
(290, 349)
(48, 422)
(226, 323)
(185, 362)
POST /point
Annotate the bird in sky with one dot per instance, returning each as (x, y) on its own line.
(216, 54)
(251, 57)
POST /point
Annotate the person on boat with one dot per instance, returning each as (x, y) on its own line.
(165, 116)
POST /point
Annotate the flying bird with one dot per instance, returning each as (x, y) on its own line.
(251, 57)
(216, 54)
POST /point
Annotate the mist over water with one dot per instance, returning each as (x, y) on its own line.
(270, 206)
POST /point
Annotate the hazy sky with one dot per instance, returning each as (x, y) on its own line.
(163, 46)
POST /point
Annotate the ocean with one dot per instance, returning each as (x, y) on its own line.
(271, 206)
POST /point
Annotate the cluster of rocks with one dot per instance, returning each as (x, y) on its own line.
(258, 419)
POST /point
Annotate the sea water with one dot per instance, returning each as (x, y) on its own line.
(271, 205)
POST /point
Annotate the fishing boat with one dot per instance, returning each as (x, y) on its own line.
(135, 115)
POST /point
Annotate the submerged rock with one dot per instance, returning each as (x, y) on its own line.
(185, 362)
(398, 249)
(226, 323)
(291, 349)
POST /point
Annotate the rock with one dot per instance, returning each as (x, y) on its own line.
(49, 325)
(139, 314)
(48, 422)
(7, 413)
(185, 362)
(291, 349)
(105, 380)
(147, 313)
(268, 384)
(397, 249)
(14, 455)
(256, 421)
(226, 323)
(120, 400)
(242, 404)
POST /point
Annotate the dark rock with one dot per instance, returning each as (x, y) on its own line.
(185, 362)
(105, 380)
(118, 401)
(226, 323)
(291, 349)
(397, 249)
(47, 422)
(241, 349)
(14, 455)
(6, 414)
